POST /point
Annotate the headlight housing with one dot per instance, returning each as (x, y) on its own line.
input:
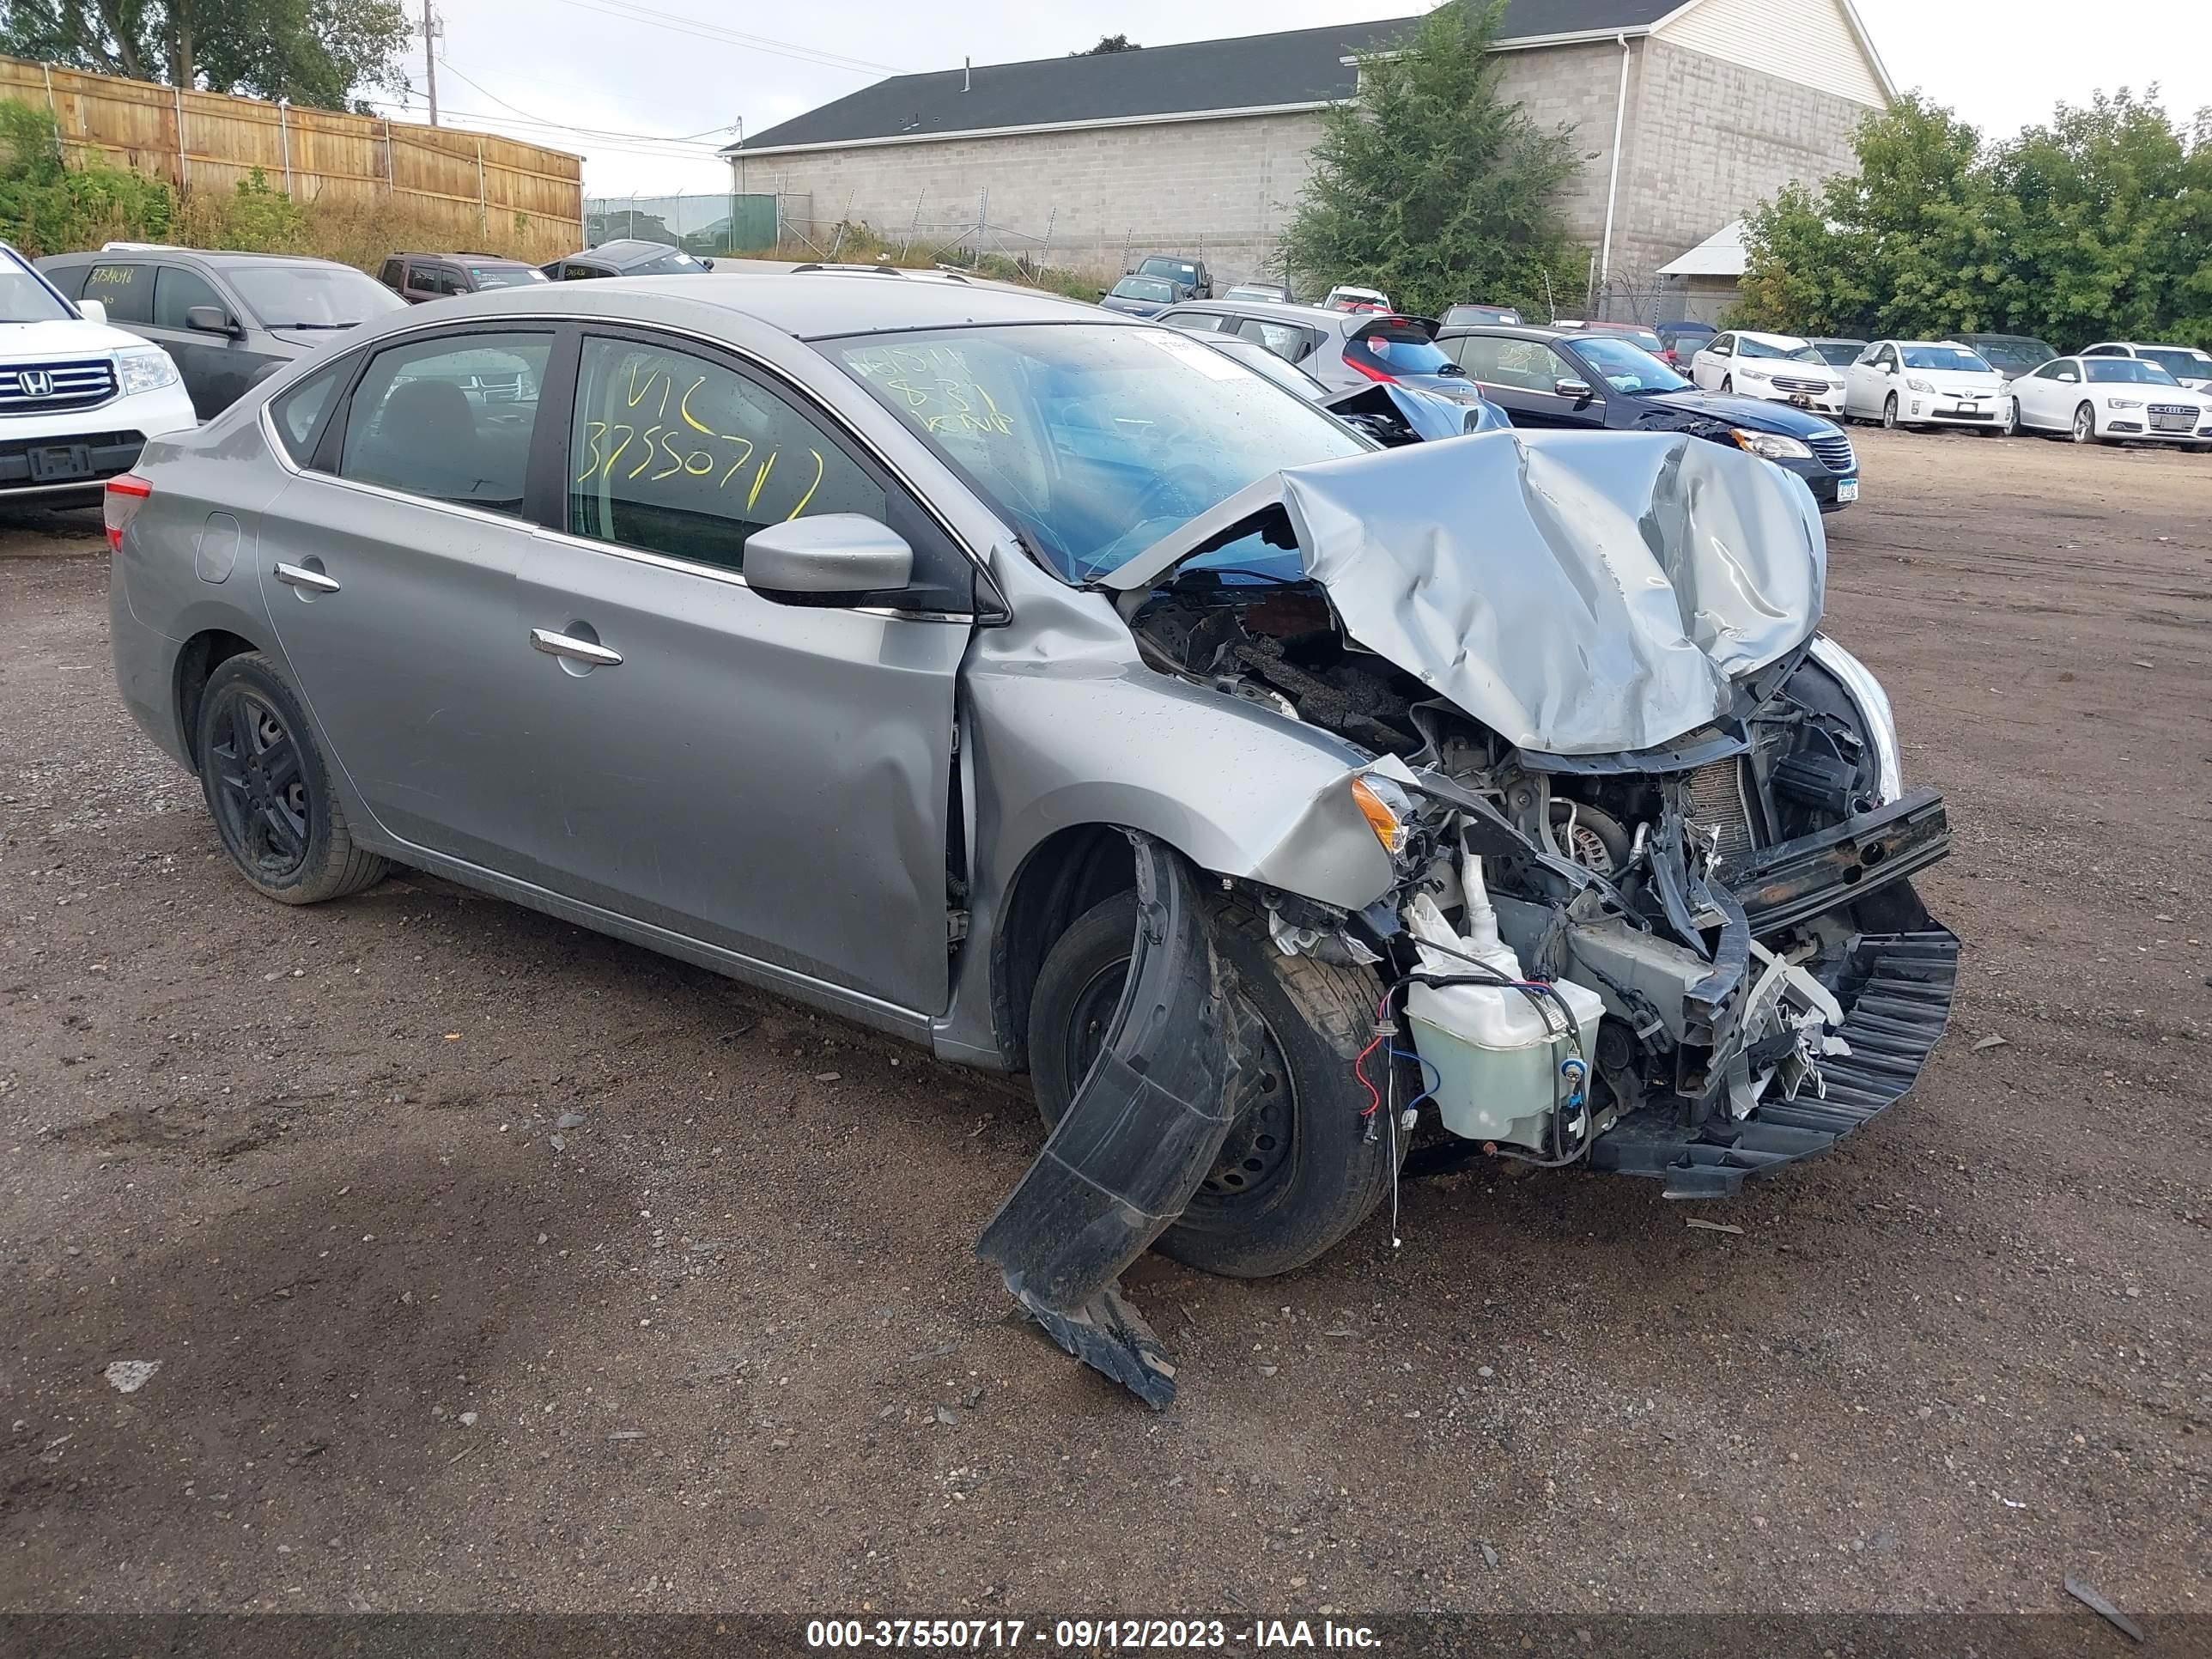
(144, 368)
(1749, 372)
(2123, 402)
(1770, 446)
(1875, 714)
(1919, 385)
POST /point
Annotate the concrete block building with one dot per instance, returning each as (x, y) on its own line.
(1685, 113)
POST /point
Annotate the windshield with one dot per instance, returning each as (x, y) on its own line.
(1175, 270)
(1748, 347)
(1398, 348)
(1144, 287)
(2127, 368)
(25, 298)
(1840, 353)
(1627, 367)
(2180, 361)
(1093, 439)
(2014, 356)
(312, 296)
(1955, 358)
(508, 275)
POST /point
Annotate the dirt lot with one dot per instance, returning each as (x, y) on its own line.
(490, 1264)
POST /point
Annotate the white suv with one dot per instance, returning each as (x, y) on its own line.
(78, 399)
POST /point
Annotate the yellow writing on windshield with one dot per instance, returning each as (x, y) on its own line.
(938, 391)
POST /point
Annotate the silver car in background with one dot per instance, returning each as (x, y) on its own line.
(1046, 688)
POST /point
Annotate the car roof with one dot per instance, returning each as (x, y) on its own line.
(809, 304)
(1771, 339)
(1512, 331)
(462, 259)
(221, 258)
(1275, 309)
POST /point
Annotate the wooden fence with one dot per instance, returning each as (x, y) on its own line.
(463, 182)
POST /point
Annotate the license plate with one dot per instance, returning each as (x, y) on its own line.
(1847, 490)
(59, 463)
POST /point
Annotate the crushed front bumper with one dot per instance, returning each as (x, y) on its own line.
(1896, 992)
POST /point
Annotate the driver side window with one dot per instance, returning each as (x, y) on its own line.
(678, 455)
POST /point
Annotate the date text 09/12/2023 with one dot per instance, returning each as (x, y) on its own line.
(1089, 1634)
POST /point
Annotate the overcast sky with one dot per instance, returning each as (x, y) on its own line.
(643, 72)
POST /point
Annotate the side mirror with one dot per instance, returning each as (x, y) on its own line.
(826, 561)
(210, 320)
(1578, 390)
(709, 264)
(93, 310)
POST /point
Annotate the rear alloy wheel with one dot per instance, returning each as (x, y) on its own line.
(268, 790)
(1296, 1172)
(1889, 412)
(2085, 425)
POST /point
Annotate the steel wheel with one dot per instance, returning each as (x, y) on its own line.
(260, 792)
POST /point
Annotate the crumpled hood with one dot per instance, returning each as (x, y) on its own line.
(1578, 593)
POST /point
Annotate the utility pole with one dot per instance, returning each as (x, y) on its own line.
(430, 58)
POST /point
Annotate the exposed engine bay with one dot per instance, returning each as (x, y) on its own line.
(1649, 882)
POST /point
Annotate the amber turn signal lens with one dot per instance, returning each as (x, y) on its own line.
(1380, 819)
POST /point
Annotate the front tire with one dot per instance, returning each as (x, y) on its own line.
(2012, 426)
(1889, 412)
(269, 789)
(2085, 425)
(1298, 1172)
(1728, 385)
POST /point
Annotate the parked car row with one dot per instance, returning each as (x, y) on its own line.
(2111, 391)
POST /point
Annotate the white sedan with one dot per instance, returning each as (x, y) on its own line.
(2192, 367)
(1923, 383)
(2105, 399)
(1779, 367)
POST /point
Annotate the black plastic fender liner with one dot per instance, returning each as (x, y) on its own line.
(1133, 1145)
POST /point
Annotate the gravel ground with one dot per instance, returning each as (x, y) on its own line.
(489, 1264)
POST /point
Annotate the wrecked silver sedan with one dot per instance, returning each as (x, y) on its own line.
(1050, 690)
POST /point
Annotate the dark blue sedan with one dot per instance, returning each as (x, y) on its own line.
(1601, 380)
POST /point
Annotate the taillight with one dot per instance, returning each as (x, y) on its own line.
(1353, 364)
(126, 494)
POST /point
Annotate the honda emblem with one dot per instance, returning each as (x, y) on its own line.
(35, 383)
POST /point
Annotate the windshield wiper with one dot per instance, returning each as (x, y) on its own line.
(351, 325)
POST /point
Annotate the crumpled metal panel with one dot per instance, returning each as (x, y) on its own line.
(1578, 593)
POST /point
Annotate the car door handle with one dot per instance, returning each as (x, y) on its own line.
(293, 575)
(567, 644)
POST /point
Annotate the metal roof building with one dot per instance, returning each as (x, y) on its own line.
(1685, 112)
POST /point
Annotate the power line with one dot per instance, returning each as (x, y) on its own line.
(570, 126)
(628, 11)
(601, 137)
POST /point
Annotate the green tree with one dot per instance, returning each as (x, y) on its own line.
(2098, 225)
(1910, 243)
(1431, 186)
(1107, 43)
(313, 52)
